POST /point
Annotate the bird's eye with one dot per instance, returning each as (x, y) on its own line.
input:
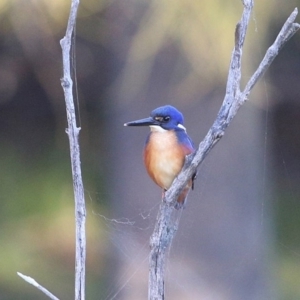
(162, 119)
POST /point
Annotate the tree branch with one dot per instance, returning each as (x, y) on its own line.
(38, 286)
(73, 134)
(166, 226)
(287, 31)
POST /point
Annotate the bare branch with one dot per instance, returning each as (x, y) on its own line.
(73, 134)
(287, 31)
(166, 226)
(38, 286)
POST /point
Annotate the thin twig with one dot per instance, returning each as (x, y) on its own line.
(73, 133)
(38, 286)
(165, 227)
(287, 31)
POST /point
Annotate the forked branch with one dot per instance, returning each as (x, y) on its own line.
(165, 227)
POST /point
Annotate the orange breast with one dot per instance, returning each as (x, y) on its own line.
(164, 157)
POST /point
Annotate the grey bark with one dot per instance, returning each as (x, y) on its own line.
(73, 134)
(166, 227)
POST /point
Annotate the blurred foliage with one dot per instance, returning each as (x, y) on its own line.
(37, 225)
(203, 33)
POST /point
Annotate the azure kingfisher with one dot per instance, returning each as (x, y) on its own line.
(166, 147)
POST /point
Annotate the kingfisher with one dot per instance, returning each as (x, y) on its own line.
(166, 148)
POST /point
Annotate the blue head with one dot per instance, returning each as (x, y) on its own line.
(166, 117)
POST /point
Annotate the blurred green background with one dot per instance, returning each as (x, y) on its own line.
(132, 56)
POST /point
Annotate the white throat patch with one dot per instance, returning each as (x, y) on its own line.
(157, 128)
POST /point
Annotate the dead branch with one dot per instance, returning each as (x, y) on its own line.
(37, 285)
(165, 227)
(73, 134)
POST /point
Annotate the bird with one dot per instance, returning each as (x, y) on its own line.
(166, 147)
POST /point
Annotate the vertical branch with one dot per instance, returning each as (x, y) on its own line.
(160, 240)
(73, 134)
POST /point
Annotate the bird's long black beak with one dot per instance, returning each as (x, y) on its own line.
(143, 122)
